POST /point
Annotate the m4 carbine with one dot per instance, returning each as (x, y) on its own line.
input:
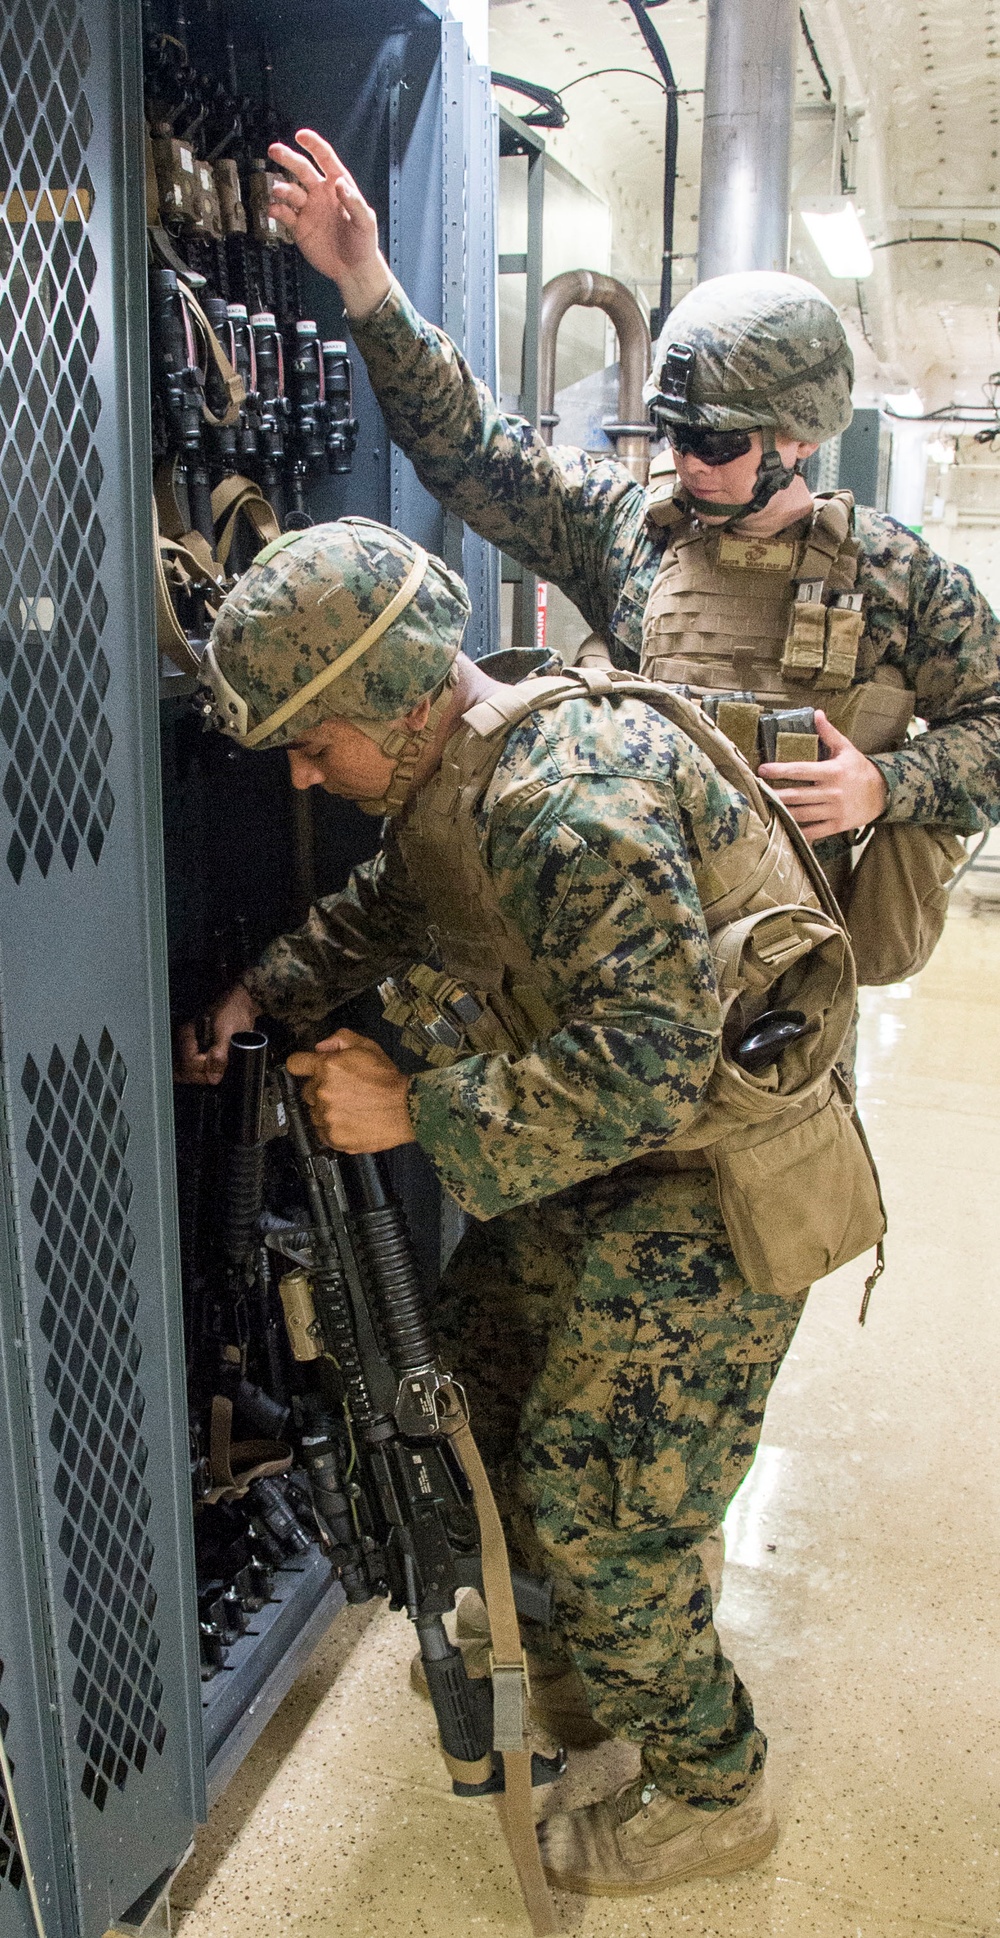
(377, 1434)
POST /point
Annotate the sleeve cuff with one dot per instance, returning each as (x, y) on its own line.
(379, 324)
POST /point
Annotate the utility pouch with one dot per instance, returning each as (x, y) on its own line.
(797, 1188)
(845, 624)
(177, 180)
(207, 212)
(790, 734)
(896, 901)
(875, 714)
(799, 1195)
(805, 643)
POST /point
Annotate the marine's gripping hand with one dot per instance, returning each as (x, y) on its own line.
(355, 1094)
(832, 797)
(235, 1010)
(324, 211)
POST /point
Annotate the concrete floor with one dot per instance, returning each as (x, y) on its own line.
(861, 1601)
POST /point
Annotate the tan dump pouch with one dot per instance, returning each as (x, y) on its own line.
(798, 1194)
(896, 901)
(796, 1184)
(794, 957)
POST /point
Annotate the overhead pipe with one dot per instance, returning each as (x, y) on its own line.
(746, 152)
(589, 290)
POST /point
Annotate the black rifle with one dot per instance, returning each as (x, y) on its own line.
(338, 407)
(307, 413)
(178, 380)
(272, 409)
(385, 1479)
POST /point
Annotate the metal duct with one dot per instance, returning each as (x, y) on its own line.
(747, 135)
(591, 290)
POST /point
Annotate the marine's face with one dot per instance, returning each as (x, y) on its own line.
(733, 483)
(339, 758)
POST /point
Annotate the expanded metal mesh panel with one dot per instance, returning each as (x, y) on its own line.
(77, 1140)
(54, 729)
(11, 1867)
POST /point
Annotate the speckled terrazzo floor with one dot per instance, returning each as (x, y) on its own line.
(861, 1601)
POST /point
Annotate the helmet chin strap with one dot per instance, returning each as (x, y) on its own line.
(405, 746)
(773, 475)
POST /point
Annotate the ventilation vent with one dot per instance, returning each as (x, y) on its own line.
(77, 1141)
(52, 605)
(11, 1867)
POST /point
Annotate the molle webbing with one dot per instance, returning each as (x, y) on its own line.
(722, 614)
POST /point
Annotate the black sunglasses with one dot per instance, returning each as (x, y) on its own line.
(708, 446)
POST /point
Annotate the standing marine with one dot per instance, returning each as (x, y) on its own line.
(727, 579)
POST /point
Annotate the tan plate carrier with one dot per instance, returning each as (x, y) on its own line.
(796, 1183)
(775, 623)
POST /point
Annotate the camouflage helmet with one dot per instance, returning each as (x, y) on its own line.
(348, 620)
(754, 351)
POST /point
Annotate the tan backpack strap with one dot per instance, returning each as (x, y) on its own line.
(186, 559)
(508, 1672)
(232, 497)
(822, 641)
(830, 528)
(171, 639)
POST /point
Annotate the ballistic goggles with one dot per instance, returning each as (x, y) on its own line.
(708, 446)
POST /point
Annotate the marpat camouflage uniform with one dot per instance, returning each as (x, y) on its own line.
(618, 1362)
(580, 523)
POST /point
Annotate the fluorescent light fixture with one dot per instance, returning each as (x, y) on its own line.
(905, 403)
(835, 229)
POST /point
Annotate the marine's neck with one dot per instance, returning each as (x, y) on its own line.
(785, 508)
(471, 685)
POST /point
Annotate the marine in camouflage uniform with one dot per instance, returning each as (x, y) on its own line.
(584, 524)
(617, 1362)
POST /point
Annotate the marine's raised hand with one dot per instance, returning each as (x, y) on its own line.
(323, 210)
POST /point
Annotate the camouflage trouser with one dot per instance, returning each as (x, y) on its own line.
(617, 1368)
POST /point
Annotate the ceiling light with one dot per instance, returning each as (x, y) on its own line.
(835, 229)
(905, 403)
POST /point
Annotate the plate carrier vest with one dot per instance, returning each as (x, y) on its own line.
(796, 1182)
(771, 624)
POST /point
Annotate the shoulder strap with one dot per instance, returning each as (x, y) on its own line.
(830, 534)
(492, 720)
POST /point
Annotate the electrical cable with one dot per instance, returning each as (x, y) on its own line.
(549, 112)
(29, 1875)
(643, 74)
(958, 413)
(824, 79)
(659, 54)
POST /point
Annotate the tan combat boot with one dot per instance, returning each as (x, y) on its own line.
(640, 1841)
(558, 1703)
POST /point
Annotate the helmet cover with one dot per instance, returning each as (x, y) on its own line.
(754, 351)
(301, 606)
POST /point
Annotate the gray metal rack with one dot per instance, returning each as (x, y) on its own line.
(100, 1696)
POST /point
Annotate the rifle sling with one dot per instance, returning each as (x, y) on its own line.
(510, 1689)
